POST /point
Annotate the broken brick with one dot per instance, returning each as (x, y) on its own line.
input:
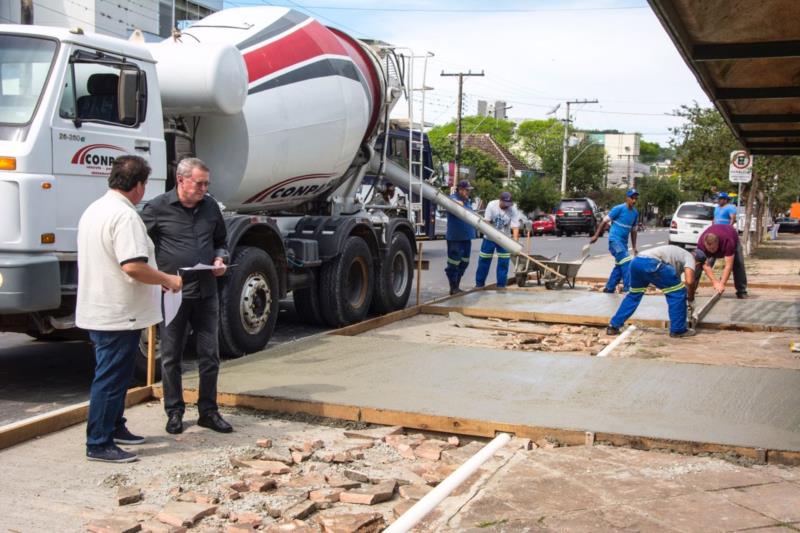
(370, 495)
(353, 523)
(355, 475)
(247, 518)
(299, 457)
(281, 455)
(154, 526)
(240, 486)
(339, 482)
(114, 525)
(430, 449)
(379, 433)
(518, 443)
(300, 511)
(329, 495)
(128, 495)
(262, 467)
(437, 474)
(406, 451)
(453, 441)
(261, 485)
(264, 443)
(413, 492)
(308, 446)
(462, 454)
(295, 526)
(305, 481)
(239, 528)
(402, 507)
(184, 513)
(233, 495)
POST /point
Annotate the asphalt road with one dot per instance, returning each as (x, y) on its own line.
(37, 376)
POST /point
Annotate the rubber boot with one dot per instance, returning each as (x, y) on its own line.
(454, 288)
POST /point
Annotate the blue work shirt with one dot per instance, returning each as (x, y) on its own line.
(722, 215)
(457, 229)
(622, 222)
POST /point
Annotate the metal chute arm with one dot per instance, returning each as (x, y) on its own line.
(399, 176)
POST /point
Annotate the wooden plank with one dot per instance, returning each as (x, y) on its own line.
(377, 322)
(56, 420)
(751, 285)
(482, 428)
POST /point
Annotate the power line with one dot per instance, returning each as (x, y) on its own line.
(95, 25)
(317, 15)
(473, 10)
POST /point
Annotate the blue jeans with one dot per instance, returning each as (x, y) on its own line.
(485, 261)
(115, 355)
(621, 266)
(458, 253)
(643, 272)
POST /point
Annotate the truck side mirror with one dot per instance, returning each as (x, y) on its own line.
(128, 96)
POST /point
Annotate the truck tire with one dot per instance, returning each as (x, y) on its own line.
(393, 276)
(248, 303)
(306, 303)
(140, 368)
(346, 284)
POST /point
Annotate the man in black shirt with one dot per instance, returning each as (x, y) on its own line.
(187, 228)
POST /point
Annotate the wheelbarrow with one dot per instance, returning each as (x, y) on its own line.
(568, 270)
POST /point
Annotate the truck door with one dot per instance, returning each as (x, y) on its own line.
(103, 114)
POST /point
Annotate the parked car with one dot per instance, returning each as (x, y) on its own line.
(575, 215)
(788, 225)
(544, 224)
(440, 224)
(689, 221)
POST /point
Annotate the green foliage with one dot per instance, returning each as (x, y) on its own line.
(649, 152)
(488, 173)
(444, 147)
(535, 193)
(487, 190)
(663, 193)
(607, 198)
(587, 162)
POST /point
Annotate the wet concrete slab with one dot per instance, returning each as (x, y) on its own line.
(750, 407)
(783, 313)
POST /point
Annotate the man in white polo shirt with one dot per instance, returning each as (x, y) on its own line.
(118, 296)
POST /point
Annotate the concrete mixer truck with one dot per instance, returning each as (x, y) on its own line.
(285, 112)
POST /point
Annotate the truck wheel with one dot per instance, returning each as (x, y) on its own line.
(346, 283)
(140, 370)
(393, 276)
(306, 303)
(248, 303)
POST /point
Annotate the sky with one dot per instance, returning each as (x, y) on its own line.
(534, 55)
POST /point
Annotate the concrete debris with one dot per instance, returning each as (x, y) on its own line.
(114, 525)
(300, 511)
(329, 495)
(281, 455)
(413, 492)
(371, 494)
(308, 446)
(248, 518)
(402, 507)
(239, 528)
(261, 466)
(184, 513)
(460, 455)
(341, 482)
(355, 475)
(294, 526)
(260, 485)
(379, 433)
(154, 526)
(264, 443)
(353, 523)
(128, 495)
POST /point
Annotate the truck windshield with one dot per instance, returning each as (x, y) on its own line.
(24, 65)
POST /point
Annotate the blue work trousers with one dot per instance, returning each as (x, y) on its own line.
(485, 261)
(643, 272)
(458, 253)
(115, 355)
(622, 265)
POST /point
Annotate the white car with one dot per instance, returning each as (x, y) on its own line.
(689, 221)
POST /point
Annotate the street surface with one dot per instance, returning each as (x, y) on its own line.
(37, 376)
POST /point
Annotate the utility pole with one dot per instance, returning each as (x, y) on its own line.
(458, 118)
(26, 11)
(566, 144)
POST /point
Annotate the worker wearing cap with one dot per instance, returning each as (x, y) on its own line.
(503, 215)
(622, 219)
(459, 238)
(662, 266)
(724, 213)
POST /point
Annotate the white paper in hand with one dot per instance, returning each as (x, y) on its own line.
(172, 302)
(199, 266)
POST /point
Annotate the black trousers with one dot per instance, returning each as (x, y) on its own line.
(739, 274)
(202, 315)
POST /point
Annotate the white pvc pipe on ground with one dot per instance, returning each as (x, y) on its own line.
(616, 342)
(429, 502)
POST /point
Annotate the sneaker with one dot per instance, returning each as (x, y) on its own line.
(110, 454)
(611, 330)
(688, 333)
(123, 436)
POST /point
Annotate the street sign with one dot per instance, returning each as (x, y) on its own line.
(741, 168)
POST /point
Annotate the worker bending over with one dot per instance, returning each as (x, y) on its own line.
(622, 219)
(662, 267)
(722, 241)
(503, 215)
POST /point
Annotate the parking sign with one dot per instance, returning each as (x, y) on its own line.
(741, 167)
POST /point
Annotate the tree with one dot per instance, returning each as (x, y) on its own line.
(662, 193)
(649, 152)
(534, 192)
(488, 174)
(444, 145)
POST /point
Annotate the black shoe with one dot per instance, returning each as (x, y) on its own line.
(741, 295)
(455, 290)
(214, 421)
(687, 333)
(609, 292)
(110, 454)
(611, 330)
(123, 436)
(175, 423)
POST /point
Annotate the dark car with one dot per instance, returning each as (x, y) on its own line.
(544, 224)
(575, 215)
(788, 225)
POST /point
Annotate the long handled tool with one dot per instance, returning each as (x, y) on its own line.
(695, 319)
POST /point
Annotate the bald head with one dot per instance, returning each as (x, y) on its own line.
(711, 242)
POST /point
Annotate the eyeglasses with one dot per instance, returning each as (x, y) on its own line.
(201, 184)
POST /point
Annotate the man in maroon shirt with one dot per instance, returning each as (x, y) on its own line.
(722, 240)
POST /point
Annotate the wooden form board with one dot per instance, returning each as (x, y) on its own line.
(43, 424)
(752, 285)
(483, 428)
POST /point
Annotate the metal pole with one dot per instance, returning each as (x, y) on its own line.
(458, 117)
(26, 11)
(564, 154)
(419, 269)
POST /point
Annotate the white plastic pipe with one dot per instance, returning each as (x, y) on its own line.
(616, 342)
(429, 502)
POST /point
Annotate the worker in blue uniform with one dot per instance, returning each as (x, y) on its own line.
(459, 238)
(725, 213)
(622, 219)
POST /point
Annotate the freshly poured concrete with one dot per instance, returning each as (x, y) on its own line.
(581, 303)
(751, 407)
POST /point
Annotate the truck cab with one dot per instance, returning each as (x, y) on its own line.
(69, 104)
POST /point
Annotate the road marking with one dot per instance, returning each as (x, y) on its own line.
(556, 239)
(661, 242)
(646, 245)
